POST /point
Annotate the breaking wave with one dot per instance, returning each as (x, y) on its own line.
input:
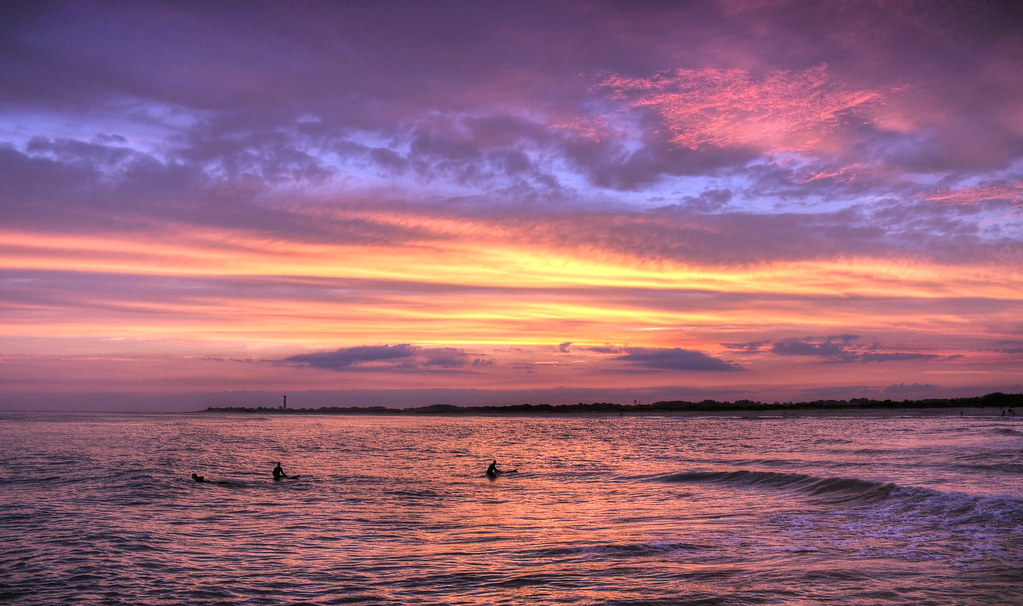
(855, 491)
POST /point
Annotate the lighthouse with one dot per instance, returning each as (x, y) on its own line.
(284, 404)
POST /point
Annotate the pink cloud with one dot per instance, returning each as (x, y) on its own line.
(1012, 192)
(780, 111)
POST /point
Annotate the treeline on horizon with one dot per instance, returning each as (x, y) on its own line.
(999, 400)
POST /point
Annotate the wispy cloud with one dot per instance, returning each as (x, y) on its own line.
(779, 111)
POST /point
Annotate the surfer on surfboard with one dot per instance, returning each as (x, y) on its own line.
(279, 472)
(493, 471)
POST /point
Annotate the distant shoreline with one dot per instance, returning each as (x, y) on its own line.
(996, 401)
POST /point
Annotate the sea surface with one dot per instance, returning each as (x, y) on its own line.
(901, 509)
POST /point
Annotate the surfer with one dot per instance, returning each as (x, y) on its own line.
(198, 478)
(493, 471)
(278, 472)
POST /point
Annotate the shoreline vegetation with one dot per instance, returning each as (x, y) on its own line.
(1006, 403)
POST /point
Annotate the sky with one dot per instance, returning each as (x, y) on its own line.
(415, 203)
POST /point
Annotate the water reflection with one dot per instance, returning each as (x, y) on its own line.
(603, 509)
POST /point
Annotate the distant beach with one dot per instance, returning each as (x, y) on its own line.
(994, 404)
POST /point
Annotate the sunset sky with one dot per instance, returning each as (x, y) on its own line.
(366, 203)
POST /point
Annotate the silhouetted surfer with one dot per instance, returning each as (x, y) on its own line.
(493, 471)
(198, 478)
(279, 473)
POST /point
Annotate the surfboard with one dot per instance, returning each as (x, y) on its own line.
(493, 476)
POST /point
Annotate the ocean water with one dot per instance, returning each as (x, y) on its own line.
(100, 509)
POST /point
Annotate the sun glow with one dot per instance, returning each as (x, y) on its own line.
(465, 290)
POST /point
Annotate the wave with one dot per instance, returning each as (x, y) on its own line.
(616, 550)
(835, 489)
(952, 506)
(1010, 468)
(1008, 431)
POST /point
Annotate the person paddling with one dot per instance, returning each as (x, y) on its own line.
(198, 478)
(279, 472)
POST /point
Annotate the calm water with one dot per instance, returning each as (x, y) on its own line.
(604, 510)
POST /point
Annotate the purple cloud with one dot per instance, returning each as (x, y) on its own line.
(607, 349)
(675, 359)
(752, 346)
(405, 357)
(908, 390)
(835, 348)
(354, 356)
(842, 348)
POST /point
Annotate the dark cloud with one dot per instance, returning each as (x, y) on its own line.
(895, 357)
(251, 150)
(612, 164)
(752, 346)
(835, 348)
(909, 390)
(1009, 346)
(403, 357)
(842, 348)
(709, 201)
(675, 359)
(389, 160)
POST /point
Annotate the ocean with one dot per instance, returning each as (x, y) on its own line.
(795, 509)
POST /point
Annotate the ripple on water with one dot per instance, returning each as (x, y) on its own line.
(612, 511)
